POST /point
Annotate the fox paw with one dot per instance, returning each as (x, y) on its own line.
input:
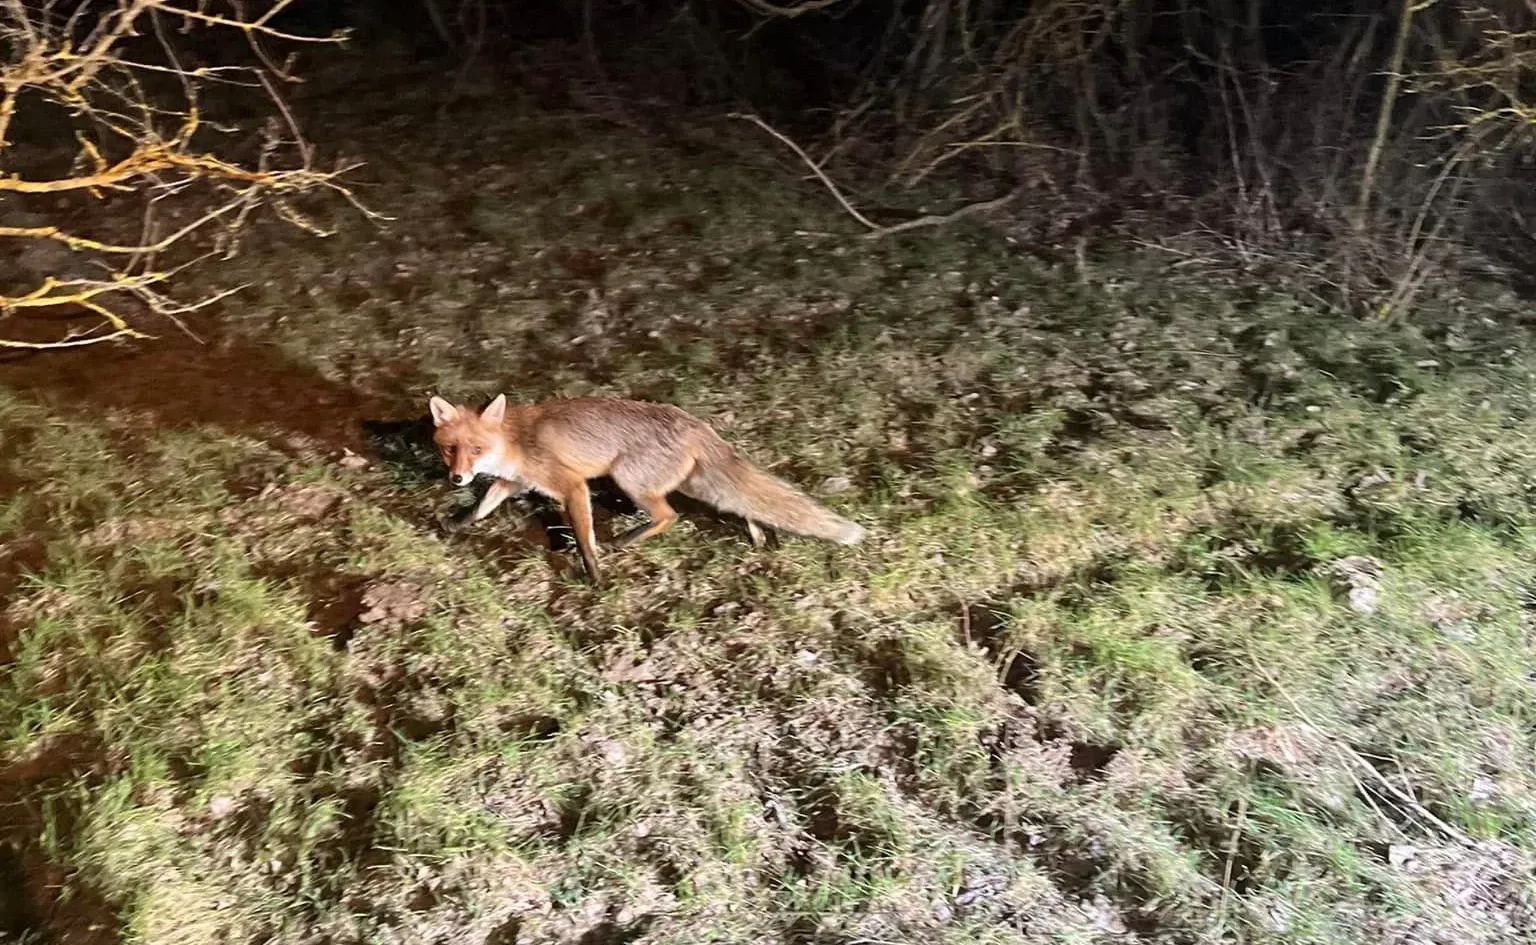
(453, 524)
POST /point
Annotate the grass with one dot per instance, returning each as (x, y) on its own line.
(1097, 674)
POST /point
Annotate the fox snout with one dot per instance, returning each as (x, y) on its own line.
(460, 466)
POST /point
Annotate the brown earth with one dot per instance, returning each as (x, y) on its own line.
(239, 386)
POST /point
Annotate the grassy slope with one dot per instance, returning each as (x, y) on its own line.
(1097, 672)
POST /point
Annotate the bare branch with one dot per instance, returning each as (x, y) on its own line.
(134, 143)
(820, 174)
(789, 11)
(943, 219)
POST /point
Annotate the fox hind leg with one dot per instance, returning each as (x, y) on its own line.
(647, 485)
(663, 517)
(755, 532)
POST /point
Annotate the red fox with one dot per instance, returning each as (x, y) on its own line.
(648, 449)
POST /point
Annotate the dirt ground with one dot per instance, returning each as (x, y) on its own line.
(236, 385)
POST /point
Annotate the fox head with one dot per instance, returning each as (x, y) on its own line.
(470, 443)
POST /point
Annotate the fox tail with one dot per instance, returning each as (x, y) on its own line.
(731, 484)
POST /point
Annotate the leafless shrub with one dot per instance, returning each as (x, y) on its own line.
(116, 75)
(1372, 146)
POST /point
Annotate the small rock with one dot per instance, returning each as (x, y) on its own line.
(220, 807)
(613, 752)
(1359, 579)
(832, 485)
(350, 460)
(1400, 855)
(1364, 600)
(1378, 477)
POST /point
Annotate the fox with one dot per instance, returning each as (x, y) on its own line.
(649, 450)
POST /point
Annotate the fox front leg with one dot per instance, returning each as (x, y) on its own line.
(500, 491)
(577, 501)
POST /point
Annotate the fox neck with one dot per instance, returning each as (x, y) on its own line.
(505, 468)
(508, 463)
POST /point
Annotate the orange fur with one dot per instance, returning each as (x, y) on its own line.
(649, 450)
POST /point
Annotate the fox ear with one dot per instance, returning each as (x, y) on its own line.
(442, 411)
(496, 410)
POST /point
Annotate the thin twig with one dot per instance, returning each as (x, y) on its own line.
(876, 231)
(940, 219)
(1237, 832)
(1354, 759)
(852, 211)
(791, 11)
(1384, 112)
(72, 342)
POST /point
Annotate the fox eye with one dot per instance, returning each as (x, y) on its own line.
(476, 450)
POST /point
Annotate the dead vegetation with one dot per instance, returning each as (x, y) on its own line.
(1369, 149)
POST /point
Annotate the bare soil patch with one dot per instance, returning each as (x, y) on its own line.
(240, 386)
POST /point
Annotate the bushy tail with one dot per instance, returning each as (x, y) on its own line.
(732, 484)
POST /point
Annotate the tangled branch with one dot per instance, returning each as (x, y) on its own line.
(788, 10)
(140, 130)
(877, 231)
